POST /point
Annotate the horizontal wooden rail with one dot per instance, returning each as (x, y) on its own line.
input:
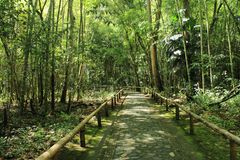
(214, 127)
(52, 151)
(233, 139)
(134, 87)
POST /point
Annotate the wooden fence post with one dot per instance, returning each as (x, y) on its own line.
(191, 128)
(106, 110)
(115, 102)
(99, 119)
(112, 104)
(166, 105)
(177, 112)
(117, 97)
(5, 117)
(5, 120)
(233, 150)
(156, 97)
(82, 137)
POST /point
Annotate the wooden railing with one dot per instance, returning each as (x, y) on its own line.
(234, 140)
(80, 128)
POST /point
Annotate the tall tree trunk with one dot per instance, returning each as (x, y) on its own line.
(70, 49)
(64, 89)
(201, 45)
(153, 49)
(208, 45)
(65, 83)
(27, 51)
(14, 81)
(80, 48)
(228, 31)
(186, 6)
(53, 56)
(40, 83)
(185, 37)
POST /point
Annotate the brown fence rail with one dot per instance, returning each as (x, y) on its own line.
(80, 128)
(234, 140)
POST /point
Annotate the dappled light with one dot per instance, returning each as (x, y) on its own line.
(119, 79)
(140, 132)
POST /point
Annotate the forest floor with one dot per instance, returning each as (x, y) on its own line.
(29, 135)
(140, 129)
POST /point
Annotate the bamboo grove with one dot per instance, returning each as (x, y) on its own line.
(53, 50)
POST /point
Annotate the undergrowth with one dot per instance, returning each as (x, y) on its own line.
(26, 142)
(30, 135)
(225, 115)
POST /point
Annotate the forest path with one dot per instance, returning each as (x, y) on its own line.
(142, 130)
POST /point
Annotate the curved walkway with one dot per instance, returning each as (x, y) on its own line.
(142, 131)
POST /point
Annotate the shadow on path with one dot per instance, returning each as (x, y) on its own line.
(142, 131)
(139, 131)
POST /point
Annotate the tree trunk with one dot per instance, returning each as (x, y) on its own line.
(70, 48)
(153, 48)
(64, 90)
(53, 57)
(80, 48)
(228, 31)
(201, 45)
(27, 51)
(208, 46)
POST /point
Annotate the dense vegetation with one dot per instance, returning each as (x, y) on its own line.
(56, 50)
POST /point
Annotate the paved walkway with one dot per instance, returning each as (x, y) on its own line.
(142, 131)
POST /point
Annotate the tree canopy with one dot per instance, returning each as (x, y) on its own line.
(52, 51)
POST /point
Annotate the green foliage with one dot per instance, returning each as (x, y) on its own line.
(209, 96)
(225, 115)
(112, 39)
(27, 142)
